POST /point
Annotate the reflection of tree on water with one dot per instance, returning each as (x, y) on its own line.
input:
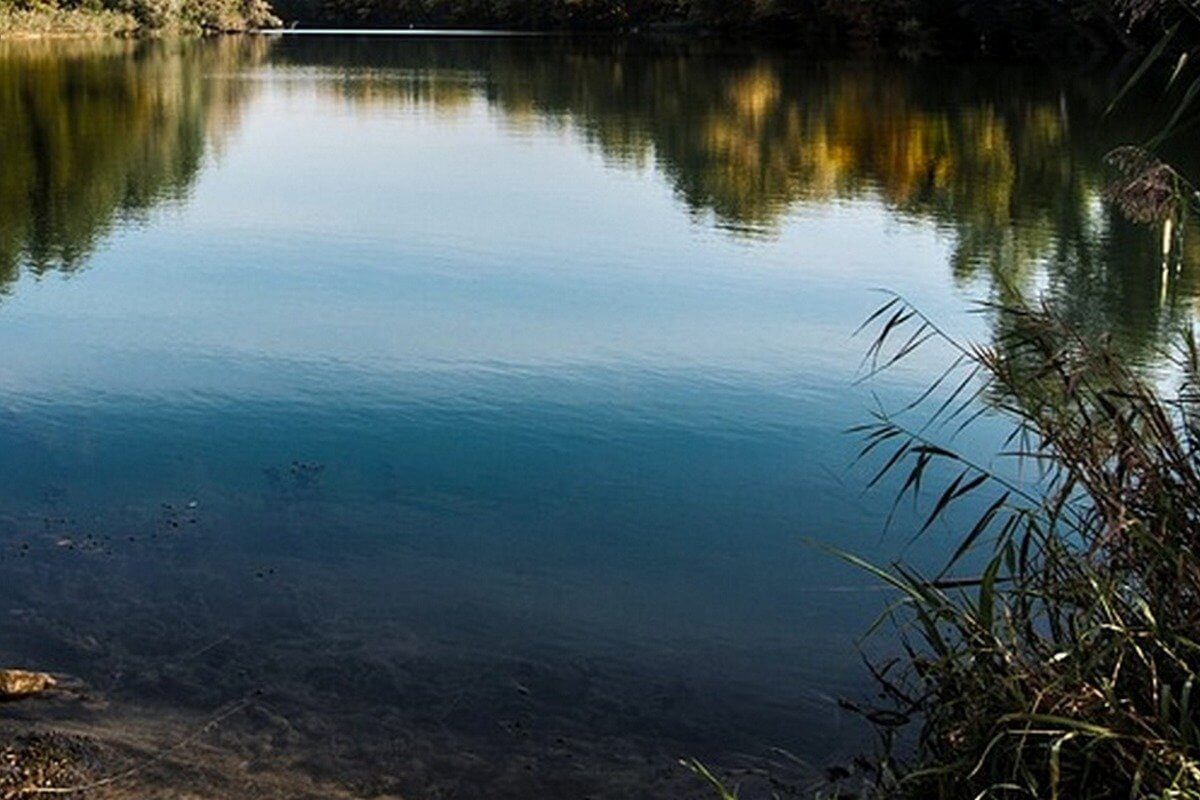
(1008, 161)
(91, 131)
(745, 134)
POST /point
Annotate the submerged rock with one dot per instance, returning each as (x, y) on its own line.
(16, 684)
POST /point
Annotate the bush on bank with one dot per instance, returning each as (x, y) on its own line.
(35, 17)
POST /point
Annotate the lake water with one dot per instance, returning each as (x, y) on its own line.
(468, 402)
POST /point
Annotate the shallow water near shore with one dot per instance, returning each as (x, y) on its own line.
(461, 406)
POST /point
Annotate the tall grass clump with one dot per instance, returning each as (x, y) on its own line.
(1056, 653)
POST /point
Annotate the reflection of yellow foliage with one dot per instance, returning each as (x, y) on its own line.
(747, 138)
(754, 95)
(751, 140)
(446, 96)
(88, 131)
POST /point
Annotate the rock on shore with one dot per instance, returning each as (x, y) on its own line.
(16, 684)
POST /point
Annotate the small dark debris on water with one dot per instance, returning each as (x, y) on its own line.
(174, 517)
(300, 480)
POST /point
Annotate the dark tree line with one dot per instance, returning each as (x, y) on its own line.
(1079, 28)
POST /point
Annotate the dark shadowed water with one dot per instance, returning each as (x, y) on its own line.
(468, 402)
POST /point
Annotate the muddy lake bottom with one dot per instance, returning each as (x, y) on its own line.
(231, 684)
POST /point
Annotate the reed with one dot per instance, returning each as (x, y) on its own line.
(1065, 666)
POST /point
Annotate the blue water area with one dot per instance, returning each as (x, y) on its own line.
(478, 402)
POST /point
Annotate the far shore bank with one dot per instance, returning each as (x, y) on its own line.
(1108, 34)
(136, 18)
(64, 23)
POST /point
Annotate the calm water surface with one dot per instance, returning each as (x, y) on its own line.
(471, 399)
